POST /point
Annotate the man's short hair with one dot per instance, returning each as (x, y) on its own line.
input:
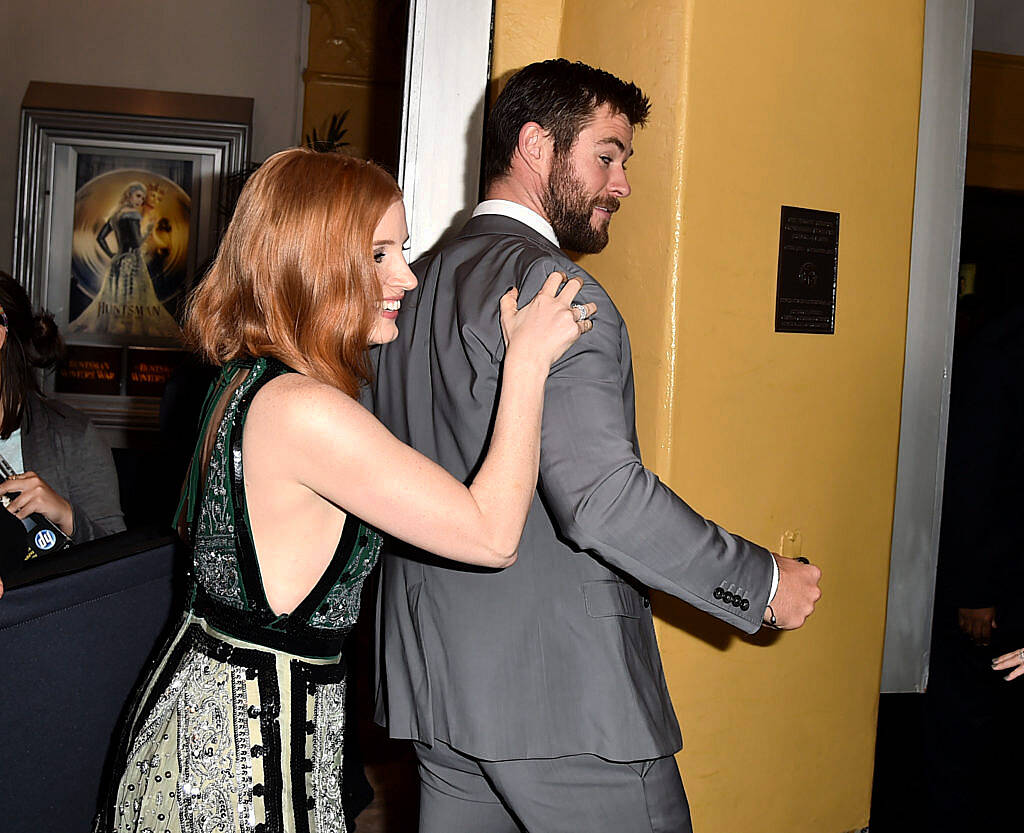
(560, 96)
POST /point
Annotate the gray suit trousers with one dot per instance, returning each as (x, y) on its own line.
(569, 794)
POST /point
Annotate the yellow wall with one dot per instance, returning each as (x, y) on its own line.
(756, 105)
(524, 30)
(354, 67)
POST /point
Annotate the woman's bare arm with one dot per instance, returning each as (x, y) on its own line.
(336, 448)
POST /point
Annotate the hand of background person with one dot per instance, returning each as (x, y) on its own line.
(1014, 660)
(550, 323)
(37, 496)
(797, 593)
(977, 623)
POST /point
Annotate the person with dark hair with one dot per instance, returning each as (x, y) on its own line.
(240, 726)
(972, 715)
(535, 696)
(66, 472)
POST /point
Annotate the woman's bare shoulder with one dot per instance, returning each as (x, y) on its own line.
(296, 405)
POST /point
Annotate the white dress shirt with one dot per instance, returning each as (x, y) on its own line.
(517, 211)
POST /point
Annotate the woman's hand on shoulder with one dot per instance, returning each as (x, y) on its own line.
(547, 326)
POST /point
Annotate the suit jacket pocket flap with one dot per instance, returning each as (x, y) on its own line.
(611, 598)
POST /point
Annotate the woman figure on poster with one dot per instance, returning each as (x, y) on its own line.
(127, 262)
(127, 303)
(240, 724)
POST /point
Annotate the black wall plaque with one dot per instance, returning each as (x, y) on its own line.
(805, 298)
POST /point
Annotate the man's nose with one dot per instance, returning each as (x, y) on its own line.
(619, 184)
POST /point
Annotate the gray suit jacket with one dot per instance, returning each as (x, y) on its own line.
(555, 655)
(60, 445)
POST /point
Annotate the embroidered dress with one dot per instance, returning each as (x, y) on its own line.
(240, 725)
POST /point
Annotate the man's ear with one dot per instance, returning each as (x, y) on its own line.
(535, 147)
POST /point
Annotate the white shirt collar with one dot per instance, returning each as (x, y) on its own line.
(518, 211)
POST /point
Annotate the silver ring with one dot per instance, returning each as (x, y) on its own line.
(581, 310)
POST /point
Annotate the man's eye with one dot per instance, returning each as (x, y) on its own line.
(606, 159)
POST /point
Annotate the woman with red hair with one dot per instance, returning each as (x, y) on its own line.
(240, 724)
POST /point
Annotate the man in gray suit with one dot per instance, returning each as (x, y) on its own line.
(535, 695)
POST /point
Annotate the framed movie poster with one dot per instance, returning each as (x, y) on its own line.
(130, 234)
(121, 202)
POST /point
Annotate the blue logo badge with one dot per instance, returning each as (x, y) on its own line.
(45, 539)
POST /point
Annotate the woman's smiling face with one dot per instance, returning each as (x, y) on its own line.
(394, 274)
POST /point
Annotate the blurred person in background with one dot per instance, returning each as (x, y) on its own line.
(65, 469)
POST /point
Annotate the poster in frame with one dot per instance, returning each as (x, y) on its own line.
(121, 202)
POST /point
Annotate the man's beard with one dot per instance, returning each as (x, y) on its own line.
(569, 210)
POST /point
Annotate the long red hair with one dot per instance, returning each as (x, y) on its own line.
(294, 278)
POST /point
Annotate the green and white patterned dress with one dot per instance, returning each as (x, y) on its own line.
(240, 724)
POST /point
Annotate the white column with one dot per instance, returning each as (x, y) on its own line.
(447, 68)
(934, 266)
